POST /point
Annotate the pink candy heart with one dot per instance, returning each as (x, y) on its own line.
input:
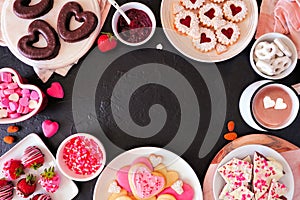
(56, 90)
(49, 128)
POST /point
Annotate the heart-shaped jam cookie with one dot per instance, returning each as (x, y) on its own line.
(206, 40)
(228, 34)
(18, 101)
(208, 12)
(145, 183)
(88, 19)
(185, 21)
(192, 4)
(23, 9)
(235, 10)
(26, 43)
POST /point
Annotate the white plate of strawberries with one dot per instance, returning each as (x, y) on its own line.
(29, 171)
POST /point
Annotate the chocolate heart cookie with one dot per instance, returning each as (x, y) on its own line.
(25, 44)
(88, 18)
(23, 10)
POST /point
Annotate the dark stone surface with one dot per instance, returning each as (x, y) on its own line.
(237, 75)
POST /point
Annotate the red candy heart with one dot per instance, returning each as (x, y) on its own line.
(49, 128)
(186, 21)
(235, 9)
(204, 38)
(210, 13)
(227, 32)
(56, 90)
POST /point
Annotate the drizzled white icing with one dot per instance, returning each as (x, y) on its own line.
(6, 192)
(43, 197)
(31, 154)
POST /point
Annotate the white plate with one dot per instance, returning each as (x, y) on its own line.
(69, 53)
(184, 43)
(171, 160)
(67, 188)
(242, 152)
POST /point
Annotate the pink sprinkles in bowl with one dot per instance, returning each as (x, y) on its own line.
(83, 155)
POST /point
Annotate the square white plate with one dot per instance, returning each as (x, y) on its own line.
(67, 188)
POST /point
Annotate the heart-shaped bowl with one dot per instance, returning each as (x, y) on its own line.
(81, 157)
(42, 100)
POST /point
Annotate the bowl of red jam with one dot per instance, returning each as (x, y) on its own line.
(142, 24)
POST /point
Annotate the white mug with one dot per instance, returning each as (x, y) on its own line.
(260, 117)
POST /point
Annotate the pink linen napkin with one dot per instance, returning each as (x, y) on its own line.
(292, 157)
(281, 16)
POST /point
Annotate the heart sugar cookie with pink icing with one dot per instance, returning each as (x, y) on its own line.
(145, 183)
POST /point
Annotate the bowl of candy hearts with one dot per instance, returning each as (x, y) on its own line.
(18, 101)
(81, 157)
(273, 56)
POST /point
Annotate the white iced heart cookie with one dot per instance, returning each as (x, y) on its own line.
(280, 105)
(268, 102)
(155, 160)
(177, 187)
(114, 188)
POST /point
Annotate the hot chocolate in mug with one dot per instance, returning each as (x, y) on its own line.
(267, 105)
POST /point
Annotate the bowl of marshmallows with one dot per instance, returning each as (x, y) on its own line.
(273, 56)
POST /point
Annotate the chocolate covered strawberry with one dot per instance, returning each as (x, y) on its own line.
(6, 189)
(33, 157)
(50, 180)
(26, 186)
(41, 197)
(13, 169)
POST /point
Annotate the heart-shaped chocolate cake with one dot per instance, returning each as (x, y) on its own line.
(26, 43)
(88, 19)
(23, 10)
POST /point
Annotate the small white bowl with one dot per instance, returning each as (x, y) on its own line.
(68, 172)
(269, 37)
(138, 6)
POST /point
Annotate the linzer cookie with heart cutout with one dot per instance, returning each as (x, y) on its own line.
(148, 178)
(228, 34)
(235, 10)
(192, 4)
(88, 18)
(185, 21)
(206, 41)
(23, 9)
(208, 12)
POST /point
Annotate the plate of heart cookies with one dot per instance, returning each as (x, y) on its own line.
(209, 30)
(148, 173)
(253, 172)
(50, 34)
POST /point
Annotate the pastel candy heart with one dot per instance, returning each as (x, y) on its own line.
(55, 90)
(144, 183)
(122, 178)
(49, 128)
(188, 192)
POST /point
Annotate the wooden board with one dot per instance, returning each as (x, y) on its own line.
(273, 142)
